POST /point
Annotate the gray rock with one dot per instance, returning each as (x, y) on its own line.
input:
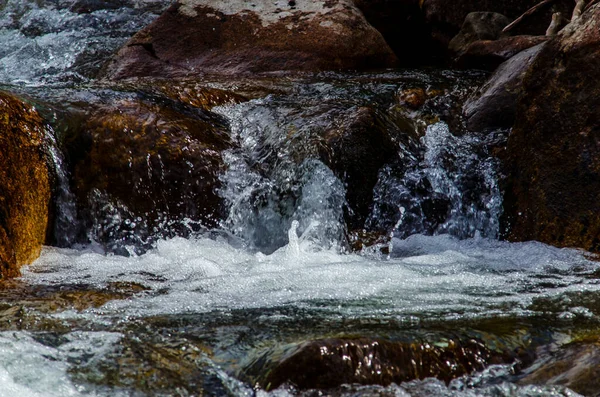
(494, 104)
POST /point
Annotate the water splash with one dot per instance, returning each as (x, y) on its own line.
(452, 189)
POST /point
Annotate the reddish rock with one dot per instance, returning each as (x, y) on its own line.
(147, 167)
(553, 189)
(194, 37)
(328, 363)
(24, 185)
(489, 54)
(478, 26)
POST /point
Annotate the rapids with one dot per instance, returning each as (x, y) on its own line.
(196, 314)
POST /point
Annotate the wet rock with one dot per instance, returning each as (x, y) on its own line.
(488, 54)
(357, 149)
(147, 167)
(575, 365)
(24, 185)
(446, 18)
(328, 363)
(478, 26)
(553, 152)
(194, 37)
(494, 104)
(402, 24)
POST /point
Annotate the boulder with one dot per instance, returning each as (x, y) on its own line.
(328, 363)
(356, 150)
(194, 37)
(478, 26)
(489, 54)
(24, 185)
(145, 168)
(553, 154)
(494, 104)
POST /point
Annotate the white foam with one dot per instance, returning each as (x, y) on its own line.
(435, 276)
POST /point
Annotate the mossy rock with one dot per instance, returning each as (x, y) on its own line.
(24, 185)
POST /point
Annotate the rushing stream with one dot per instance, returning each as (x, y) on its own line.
(211, 312)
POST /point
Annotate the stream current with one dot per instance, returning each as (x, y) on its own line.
(194, 315)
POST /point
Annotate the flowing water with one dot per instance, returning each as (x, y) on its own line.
(209, 313)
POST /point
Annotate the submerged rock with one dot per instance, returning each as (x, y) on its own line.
(24, 185)
(575, 365)
(328, 363)
(494, 104)
(194, 37)
(553, 152)
(146, 168)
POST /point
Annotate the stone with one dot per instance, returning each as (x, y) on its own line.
(24, 184)
(478, 26)
(328, 363)
(356, 150)
(489, 54)
(446, 17)
(494, 104)
(196, 37)
(553, 155)
(145, 168)
(575, 365)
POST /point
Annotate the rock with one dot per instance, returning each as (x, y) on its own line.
(356, 150)
(328, 363)
(147, 167)
(446, 17)
(195, 37)
(24, 185)
(494, 104)
(488, 55)
(553, 155)
(478, 26)
(575, 365)
(402, 24)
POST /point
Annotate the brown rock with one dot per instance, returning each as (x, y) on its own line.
(24, 185)
(446, 17)
(553, 190)
(356, 150)
(494, 104)
(327, 363)
(489, 54)
(478, 26)
(195, 37)
(144, 164)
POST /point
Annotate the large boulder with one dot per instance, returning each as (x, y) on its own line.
(194, 37)
(24, 185)
(494, 104)
(147, 167)
(553, 189)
